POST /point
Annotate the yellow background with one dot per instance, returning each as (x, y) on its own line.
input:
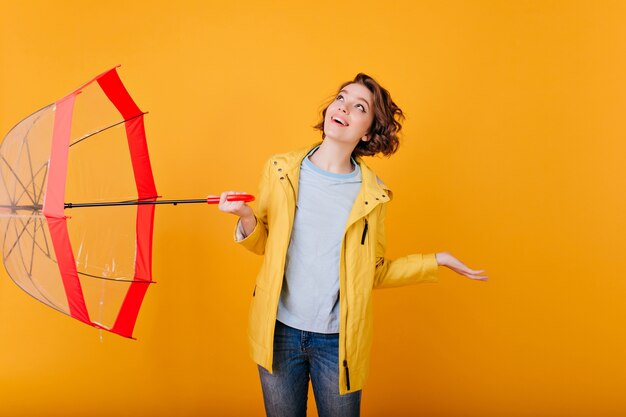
(512, 159)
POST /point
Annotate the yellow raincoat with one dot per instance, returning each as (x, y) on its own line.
(362, 264)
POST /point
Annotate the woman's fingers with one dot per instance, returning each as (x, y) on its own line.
(460, 266)
(224, 204)
(463, 269)
(474, 274)
(235, 207)
(477, 277)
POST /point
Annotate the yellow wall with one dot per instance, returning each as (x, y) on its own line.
(512, 159)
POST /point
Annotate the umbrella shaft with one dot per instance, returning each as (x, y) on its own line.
(133, 203)
(209, 200)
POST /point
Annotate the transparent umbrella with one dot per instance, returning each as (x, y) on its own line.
(77, 203)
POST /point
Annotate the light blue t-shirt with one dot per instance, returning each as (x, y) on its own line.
(310, 294)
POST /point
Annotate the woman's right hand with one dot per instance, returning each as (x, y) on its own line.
(239, 208)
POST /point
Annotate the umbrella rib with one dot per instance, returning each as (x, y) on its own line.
(35, 284)
(32, 251)
(39, 113)
(6, 186)
(115, 279)
(32, 181)
(19, 159)
(4, 239)
(19, 247)
(18, 179)
(17, 239)
(45, 251)
(44, 181)
(30, 166)
(26, 142)
(34, 231)
(45, 240)
(105, 128)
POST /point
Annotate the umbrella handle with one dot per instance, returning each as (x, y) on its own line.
(231, 197)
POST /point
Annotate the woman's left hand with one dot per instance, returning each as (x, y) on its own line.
(446, 259)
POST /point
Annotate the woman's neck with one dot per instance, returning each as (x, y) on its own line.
(333, 157)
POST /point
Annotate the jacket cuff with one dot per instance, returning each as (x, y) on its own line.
(239, 234)
(431, 268)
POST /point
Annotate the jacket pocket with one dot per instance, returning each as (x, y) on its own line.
(257, 317)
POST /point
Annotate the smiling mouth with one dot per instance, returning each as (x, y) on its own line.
(339, 121)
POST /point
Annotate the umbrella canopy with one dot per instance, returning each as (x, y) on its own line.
(88, 146)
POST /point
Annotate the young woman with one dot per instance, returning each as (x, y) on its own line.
(319, 223)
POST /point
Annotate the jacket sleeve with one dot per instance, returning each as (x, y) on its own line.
(411, 269)
(255, 241)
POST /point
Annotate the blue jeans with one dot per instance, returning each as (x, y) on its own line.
(298, 356)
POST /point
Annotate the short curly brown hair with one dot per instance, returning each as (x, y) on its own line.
(383, 133)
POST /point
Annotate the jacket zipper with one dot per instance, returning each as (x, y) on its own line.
(345, 337)
(295, 198)
(364, 232)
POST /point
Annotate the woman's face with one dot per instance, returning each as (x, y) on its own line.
(349, 117)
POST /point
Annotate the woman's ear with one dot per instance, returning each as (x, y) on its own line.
(365, 138)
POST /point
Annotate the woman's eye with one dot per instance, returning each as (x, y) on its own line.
(339, 97)
(362, 108)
